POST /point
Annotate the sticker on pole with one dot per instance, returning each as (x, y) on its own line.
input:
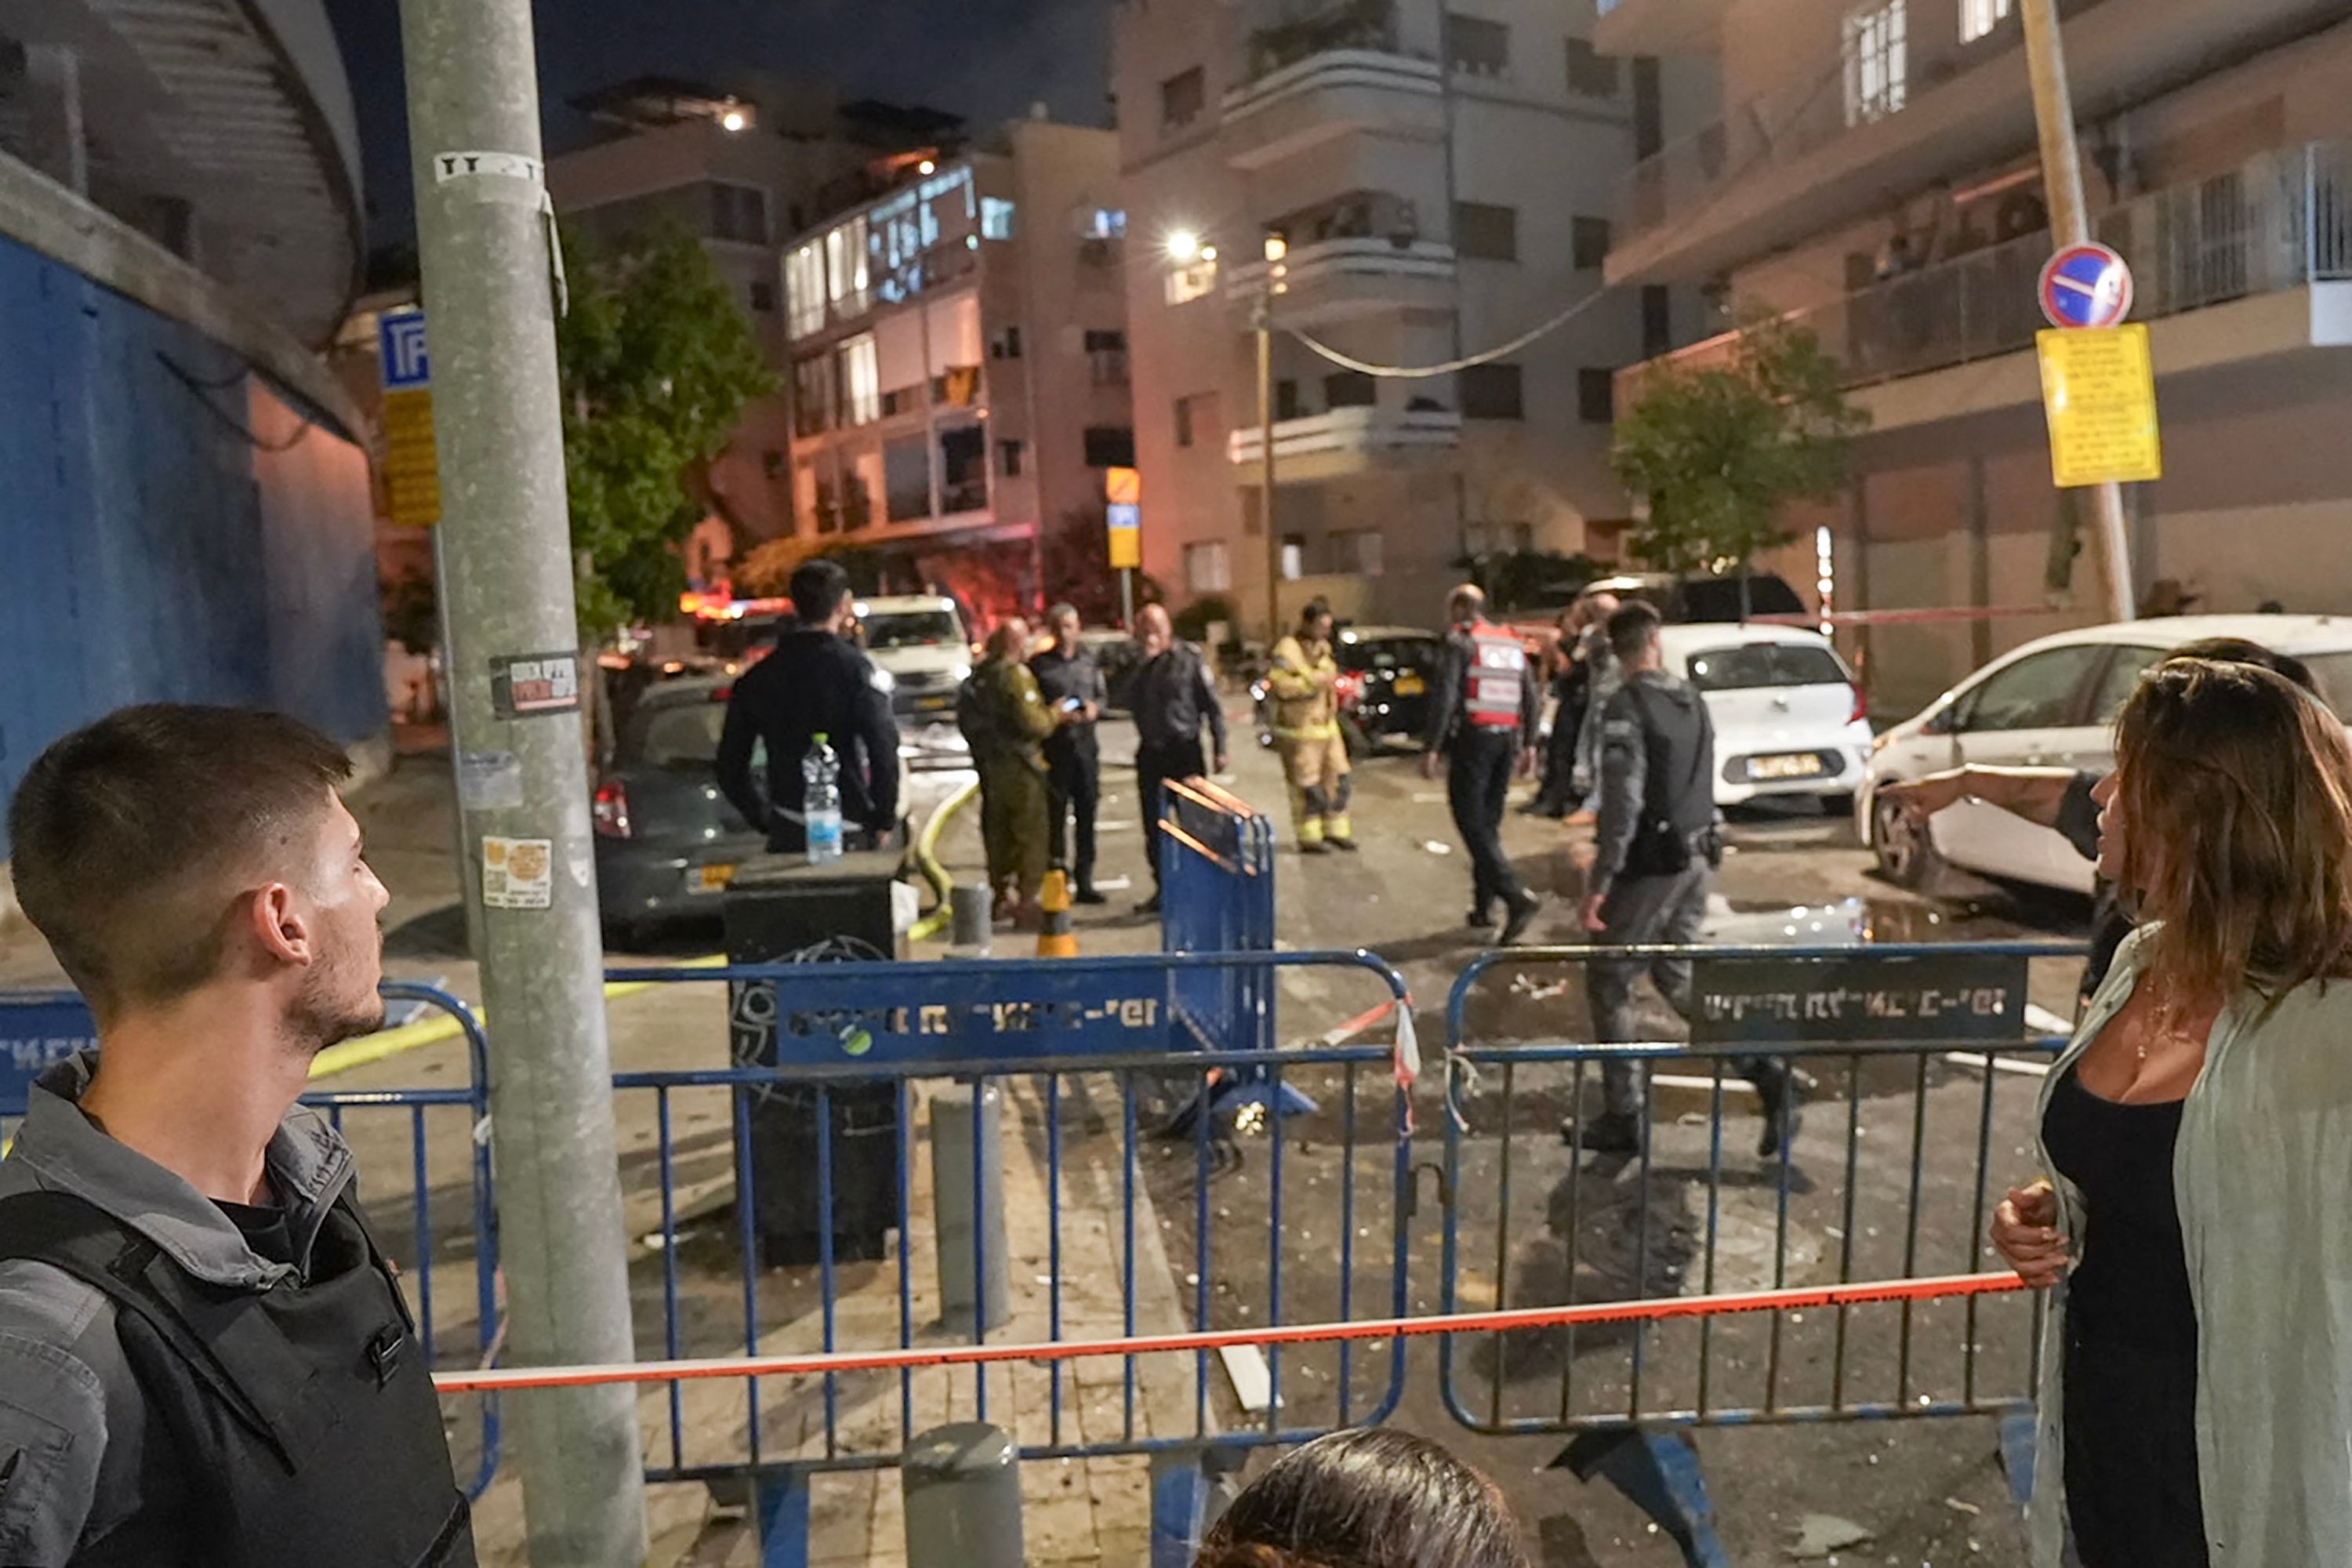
(2086, 286)
(524, 685)
(518, 873)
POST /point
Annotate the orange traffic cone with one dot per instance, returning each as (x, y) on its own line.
(1058, 939)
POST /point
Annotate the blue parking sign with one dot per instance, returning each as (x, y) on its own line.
(400, 334)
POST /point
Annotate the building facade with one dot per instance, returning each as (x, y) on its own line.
(1874, 176)
(740, 170)
(1441, 175)
(183, 487)
(959, 371)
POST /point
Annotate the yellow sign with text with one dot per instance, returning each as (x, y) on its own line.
(2098, 387)
(412, 464)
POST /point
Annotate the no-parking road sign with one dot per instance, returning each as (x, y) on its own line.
(2086, 286)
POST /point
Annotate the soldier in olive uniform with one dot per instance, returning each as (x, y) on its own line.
(1006, 721)
(1304, 688)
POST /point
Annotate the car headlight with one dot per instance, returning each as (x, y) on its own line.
(958, 674)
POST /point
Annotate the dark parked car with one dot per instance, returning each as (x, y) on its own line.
(667, 843)
(1384, 675)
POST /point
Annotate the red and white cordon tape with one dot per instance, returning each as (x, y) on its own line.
(811, 1364)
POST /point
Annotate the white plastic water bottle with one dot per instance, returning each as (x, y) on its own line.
(820, 800)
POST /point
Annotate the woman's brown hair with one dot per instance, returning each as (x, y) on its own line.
(1373, 1498)
(2234, 787)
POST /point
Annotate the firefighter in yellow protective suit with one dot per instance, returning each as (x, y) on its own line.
(1303, 690)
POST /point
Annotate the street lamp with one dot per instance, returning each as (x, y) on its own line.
(1184, 248)
(734, 119)
(1276, 272)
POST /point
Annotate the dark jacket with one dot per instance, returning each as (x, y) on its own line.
(1657, 778)
(1172, 695)
(1063, 673)
(1446, 695)
(89, 1471)
(815, 683)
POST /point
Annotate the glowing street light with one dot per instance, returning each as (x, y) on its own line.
(733, 119)
(1184, 248)
(1277, 247)
(927, 167)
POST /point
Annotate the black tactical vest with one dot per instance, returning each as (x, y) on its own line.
(295, 1425)
(1678, 784)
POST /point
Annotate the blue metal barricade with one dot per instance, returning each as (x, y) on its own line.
(1924, 1072)
(413, 1145)
(1113, 1233)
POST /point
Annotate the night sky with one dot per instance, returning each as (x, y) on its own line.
(986, 59)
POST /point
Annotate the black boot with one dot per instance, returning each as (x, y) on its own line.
(1610, 1132)
(1783, 1115)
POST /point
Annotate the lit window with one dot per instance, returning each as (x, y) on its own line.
(1103, 223)
(1294, 557)
(1979, 17)
(1875, 60)
(1197, 281)
(805, 289)
(995, 218)
(846, 269)
(861, 381)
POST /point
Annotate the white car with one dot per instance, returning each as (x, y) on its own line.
(1789, 719)
(2052, 704)
(918, 643)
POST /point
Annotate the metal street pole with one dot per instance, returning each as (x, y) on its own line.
(486, 241)
(1276, 248)
(2070, 224)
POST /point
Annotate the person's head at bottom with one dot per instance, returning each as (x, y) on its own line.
(1466, 605)
(1373, 1498)
(1315, 621)
(820, 596)
(2228, 820)
(1634, 635)
(198, 878)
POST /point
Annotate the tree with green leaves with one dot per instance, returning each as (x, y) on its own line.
(1718, 450)
(659, 361)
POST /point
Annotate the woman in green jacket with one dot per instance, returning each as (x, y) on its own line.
(2191, 1227)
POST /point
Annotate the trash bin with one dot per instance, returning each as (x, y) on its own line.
(780, 909)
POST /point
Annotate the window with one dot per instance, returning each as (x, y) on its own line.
(1207, 569)
(1181, 98)
(1876, 58)
(1657, 321)
(1005, 345)
(1357, 550)
(1009, 456)
(812, 385)
(1591, 73)
(1492, 391)
(1477, 46)
(2035, 693)
(1979, 17)
(963, 468)
(1287, 404)
(763, 297)
(907, 478)
(1107, 352)
(995, 218)
(1596, 396)
(861, 382)
(1196, 419)
(1587, 242)
(739, 213)
(804, 291)
(1102, 223)
(1110, 447)
(1098, 341)
(1294, 557)
(1186, 284)
(1488, 233)
(1347, 389)
(1758, 664)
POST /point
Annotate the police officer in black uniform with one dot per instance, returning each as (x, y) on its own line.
(1072, 683)
(1483, 713)
(816, 682)
(1660, 844)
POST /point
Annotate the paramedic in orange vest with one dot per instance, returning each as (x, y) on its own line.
(1482, 712)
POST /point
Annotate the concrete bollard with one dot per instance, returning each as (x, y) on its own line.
(966, 1276)
(970, 911)
(962, 1489)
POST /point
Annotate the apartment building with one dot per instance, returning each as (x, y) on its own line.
(960, 370)
(742, 169)
(1441, 175)
(1875, 174)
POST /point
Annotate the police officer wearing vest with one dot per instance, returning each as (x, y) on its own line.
(1660, 844)
(205, 1360)
(1303, 689)
(1482, 712)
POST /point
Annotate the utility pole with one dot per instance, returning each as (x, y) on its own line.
(485, 237)
(1276, 270)
(2070, 224)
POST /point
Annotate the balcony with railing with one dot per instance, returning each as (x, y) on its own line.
(1364, 438)
(2282, 221)
(1343, 280)
(1309, 74)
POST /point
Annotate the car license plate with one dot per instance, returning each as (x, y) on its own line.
(1799, 765)
(711, 878)
(933, 704)
(1410, 686)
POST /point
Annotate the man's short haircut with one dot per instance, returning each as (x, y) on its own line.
(818, 587)
(1058, 611)
(133, 836)
(1632, 627)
